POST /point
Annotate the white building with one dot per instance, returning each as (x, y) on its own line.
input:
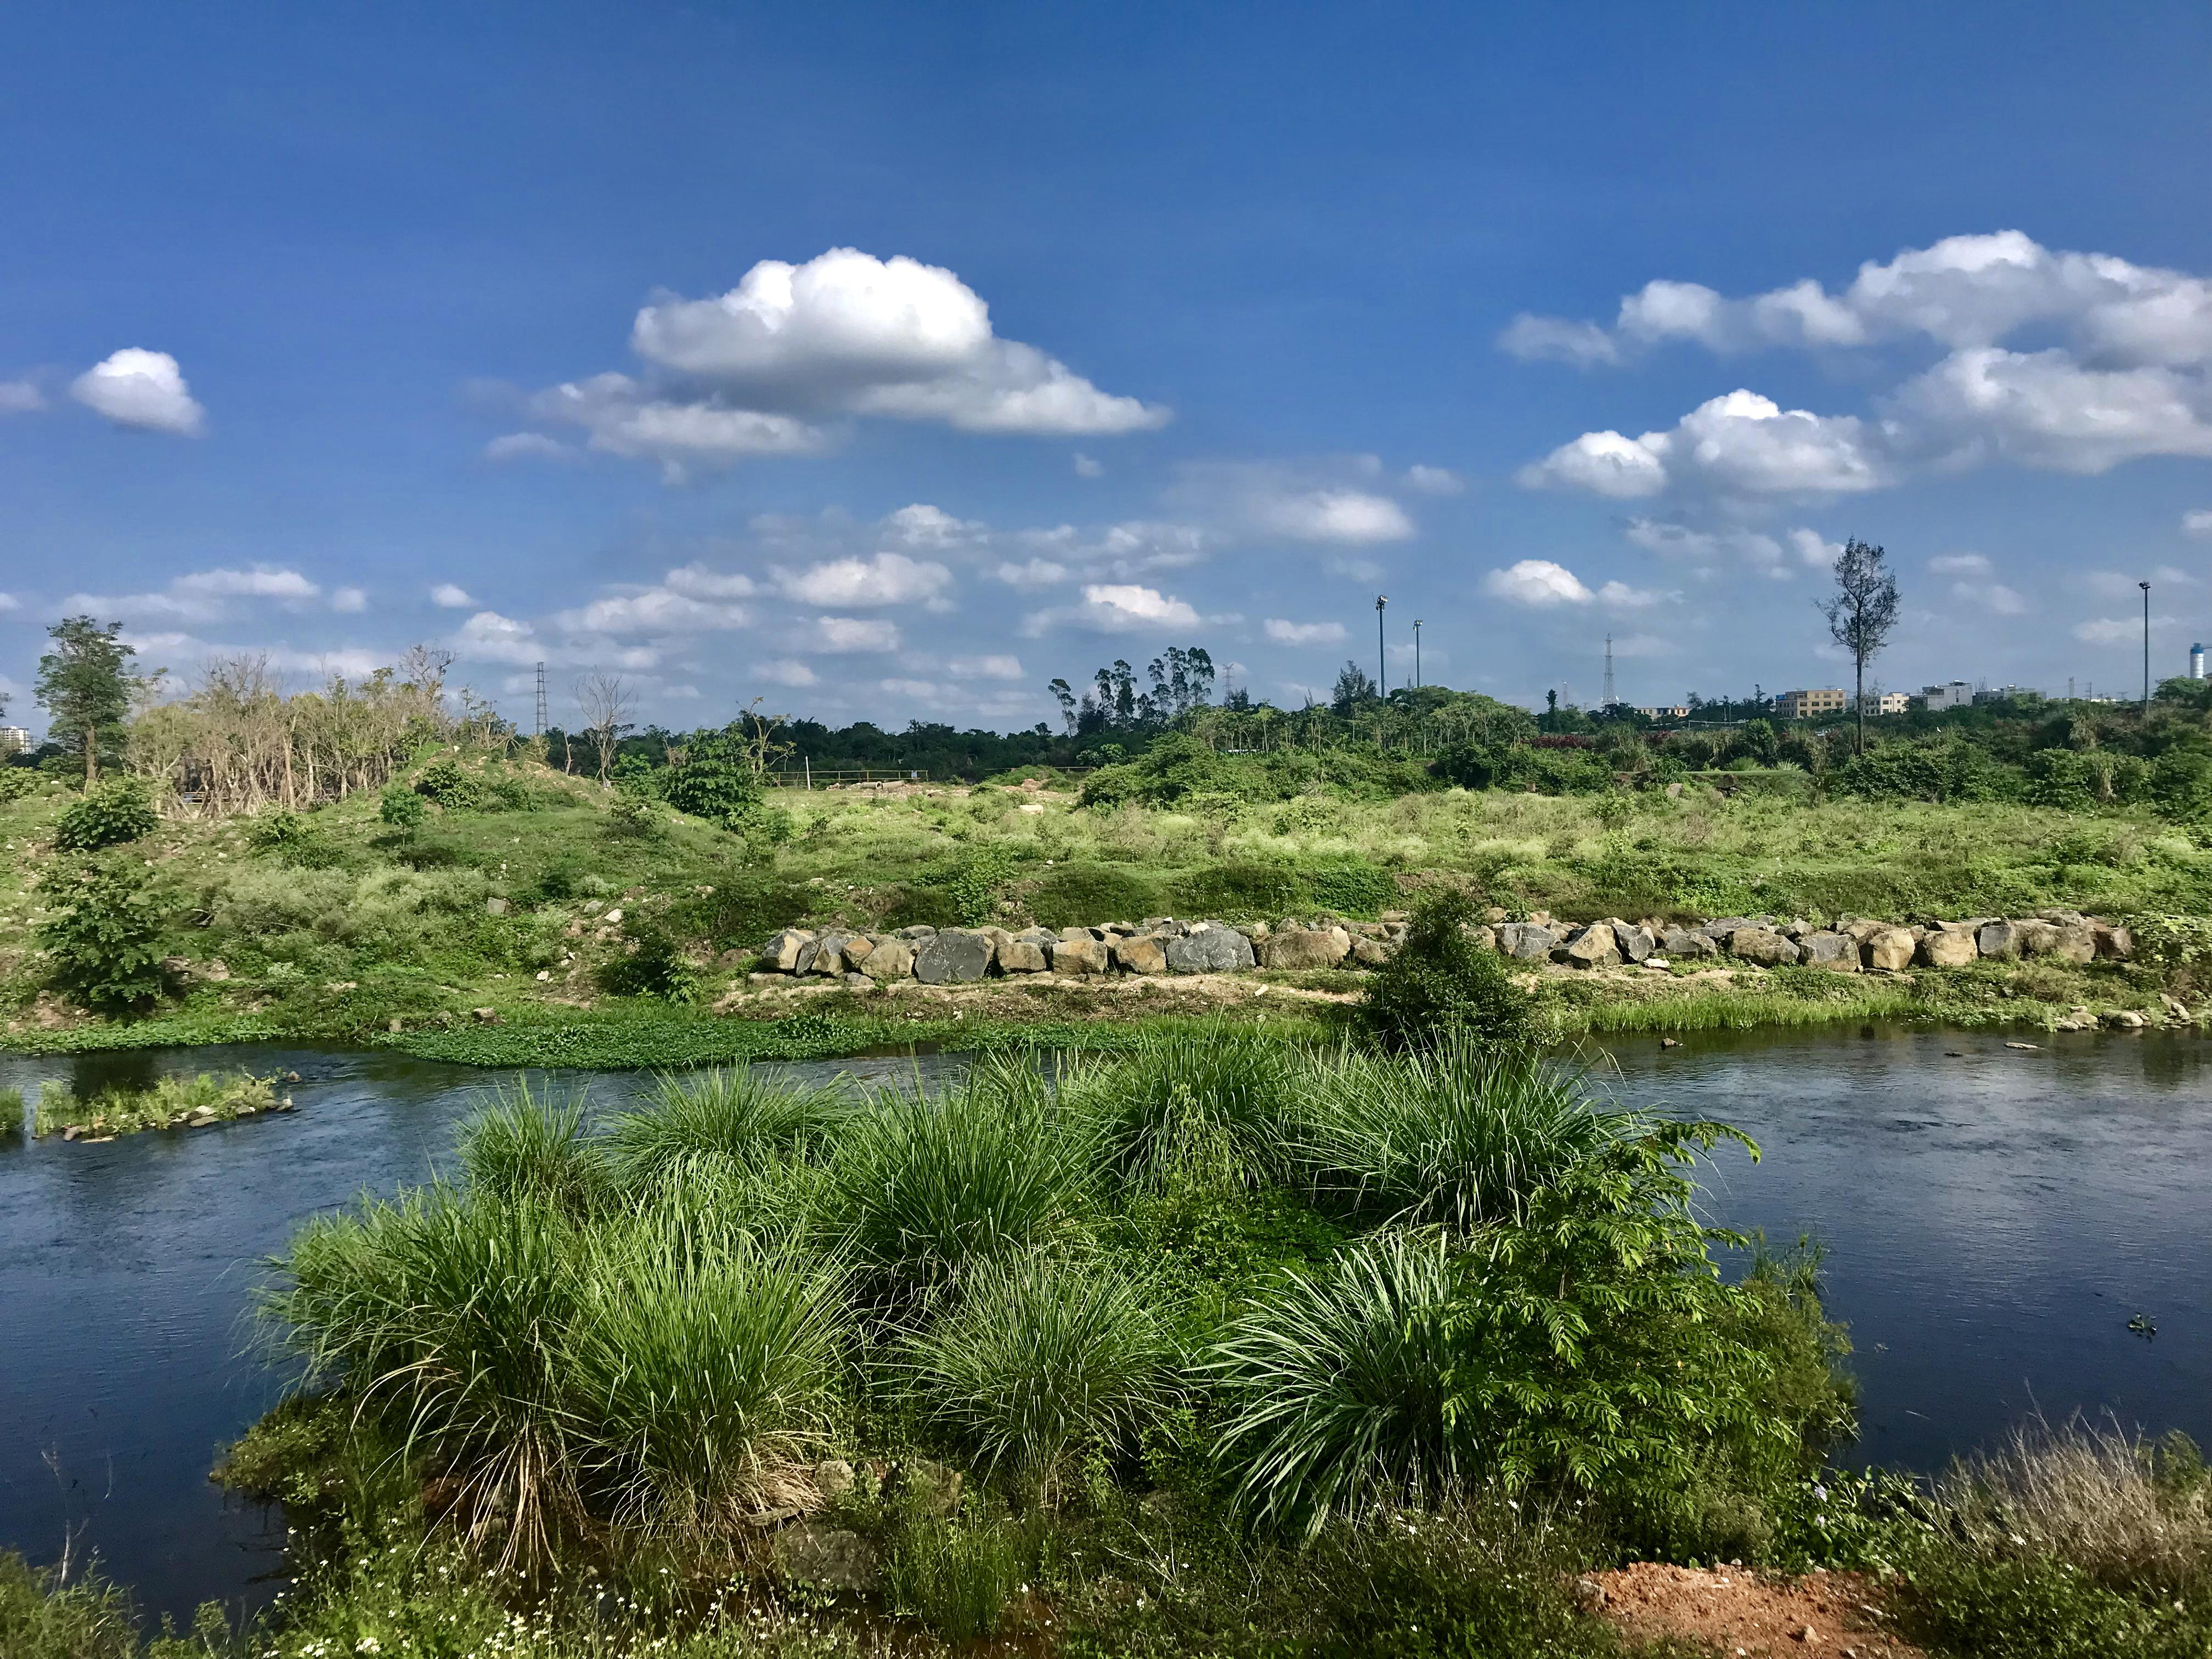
(15, 741)
(1956, 695)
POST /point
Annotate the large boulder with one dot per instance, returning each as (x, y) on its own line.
(1688, 942)
(826, 954)
(1721, 929)
(781, 953)
(1141, 953)
(1890, 949)
(1029, 951)
(1837, 952)
(1593, 947)
(1862, 928)
(1525, 941)
(1305, 947)
(953, 955)
(2113, 943)
(1762, 945)
(1370, 952)
(888, 957)
(1999, 940)
(1082, 954)
(2075, 942)
(1633, 941)
(1947, 947)
(1211, 947)
(2036, 936)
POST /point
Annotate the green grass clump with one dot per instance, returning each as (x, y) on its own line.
(1185, 1092)
(1040, 1358)
(525, 1143)
(732, 1116)
(171, 1103)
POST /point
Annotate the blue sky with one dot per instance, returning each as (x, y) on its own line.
(887, 363)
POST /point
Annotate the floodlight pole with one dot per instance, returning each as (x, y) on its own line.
(2146, 701)
(1417, 651)
(1382, 661)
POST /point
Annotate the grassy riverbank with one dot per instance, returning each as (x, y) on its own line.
(589, 918)
(169, 1103)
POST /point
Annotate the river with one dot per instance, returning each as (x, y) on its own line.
(1993, 1216)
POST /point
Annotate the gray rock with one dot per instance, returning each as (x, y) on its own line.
(1080, 955)
(1140, 953)
(1688, 942)
(1069, 935)
(2077, 942)
(494, 907)
(826, 954)
(1838, 952)
(2114, 944)
(1525, 941)
(1723, 927)
(888, 957)
(2000, 940)
(916, 933)
(1593, 947)
(1633, 941)
(1370, 952)
(1209, 947)
(953, 956)
(833, 1478)
(782, 952)
(829, 1557)
(1305, 947)
(1762, 945)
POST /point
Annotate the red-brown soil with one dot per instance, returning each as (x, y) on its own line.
(1839, 1615)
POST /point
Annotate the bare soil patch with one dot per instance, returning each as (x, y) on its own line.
(1840, 1614)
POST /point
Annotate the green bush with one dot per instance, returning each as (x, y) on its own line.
(1084, 895)
(401, 807)
(1439, 984)
(114, 812)
(653, 965)
(1350, 887)
(291, 839)
(1039, 1359)
(525, 1146)
(20, 782)
(635, 817)
(1223, 1095)
(455, 787)
(102, 933)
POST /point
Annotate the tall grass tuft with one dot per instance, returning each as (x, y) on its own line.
(732, 1115)
(1333, 1389)
(958, 1575)
(919, 1187)
(1040, 1358)
(1186, 1094)
(526, 1143)
(701, 1369)
(1456, 1136)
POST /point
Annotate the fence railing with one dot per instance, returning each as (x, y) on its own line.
(822, 777)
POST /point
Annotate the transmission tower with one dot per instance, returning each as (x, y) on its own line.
(1608, 672)
(540, 730)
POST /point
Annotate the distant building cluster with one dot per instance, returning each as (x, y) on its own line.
(15, 741)
(1810, 705)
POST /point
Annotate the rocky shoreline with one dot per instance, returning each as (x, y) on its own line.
(1164, 945)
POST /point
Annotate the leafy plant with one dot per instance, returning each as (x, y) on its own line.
(654, 966)
(101, 936)
(400, 807)
(109, 814)
(733, 1116)
(1440, 986)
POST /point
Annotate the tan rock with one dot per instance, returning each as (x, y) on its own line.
(1140, 953)
(782, 952)
(1080, 955)
(887, 958)
(1948, 948)
(1890, 950)
(1305, 947)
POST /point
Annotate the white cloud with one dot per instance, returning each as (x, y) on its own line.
(1291, 633)
(922, 525)
(1537, 582)
(1960, 564)
(653, 611)
(784, 672)
(628, 418)
(1741, 443)
(2117, 630)
(524, 445)
(494, 638)
(1087, 468)
(19, 397)
(141, 389)
(349, 599)
(1533, 338)
(9, 602)
(261, 583)
(850, 634)
(2197, 523)
(696, 582)
(1350, 517)
(449, 596)
(1117, 608)
(1619, 596)
(2044, 410)
(1434, 481)
(1329, 501)
(993, 668)
(926, 691)
(1354, 570)
(1032, 574)
(199, 595)
(887, 579)
(1993, 597)
(1814, 550)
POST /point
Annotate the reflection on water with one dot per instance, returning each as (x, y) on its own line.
(1994, 1216)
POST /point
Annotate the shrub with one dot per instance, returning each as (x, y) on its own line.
(1228, 1089)
(1441, 985)
(919, 1187)
(401, 807)
(455, 787)
(1352, 887)
(101, 935)
(1039, 1359)
(654, 966)
(715, 782)
(634, 816)
(291, 839)
(731, 1116)
(20, 782)
(112, 813)
(1455, 1137)
(1082, 896)
(532, 1145)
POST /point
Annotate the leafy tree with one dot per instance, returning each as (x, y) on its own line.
(1860, 614)
(85, 684)
(101, 938)
(1440, 984)
(1353, 689)
(401, 807)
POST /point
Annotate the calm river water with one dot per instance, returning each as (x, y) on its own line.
(1994, 1217)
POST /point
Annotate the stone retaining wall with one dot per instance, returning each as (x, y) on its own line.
(1163, 944)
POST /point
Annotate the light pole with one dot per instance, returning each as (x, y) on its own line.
(1381, 662)
(2146, 701)
(1417, 651)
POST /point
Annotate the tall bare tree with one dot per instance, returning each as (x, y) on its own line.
(757, 732)
(607, 704)
(1861, 613)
